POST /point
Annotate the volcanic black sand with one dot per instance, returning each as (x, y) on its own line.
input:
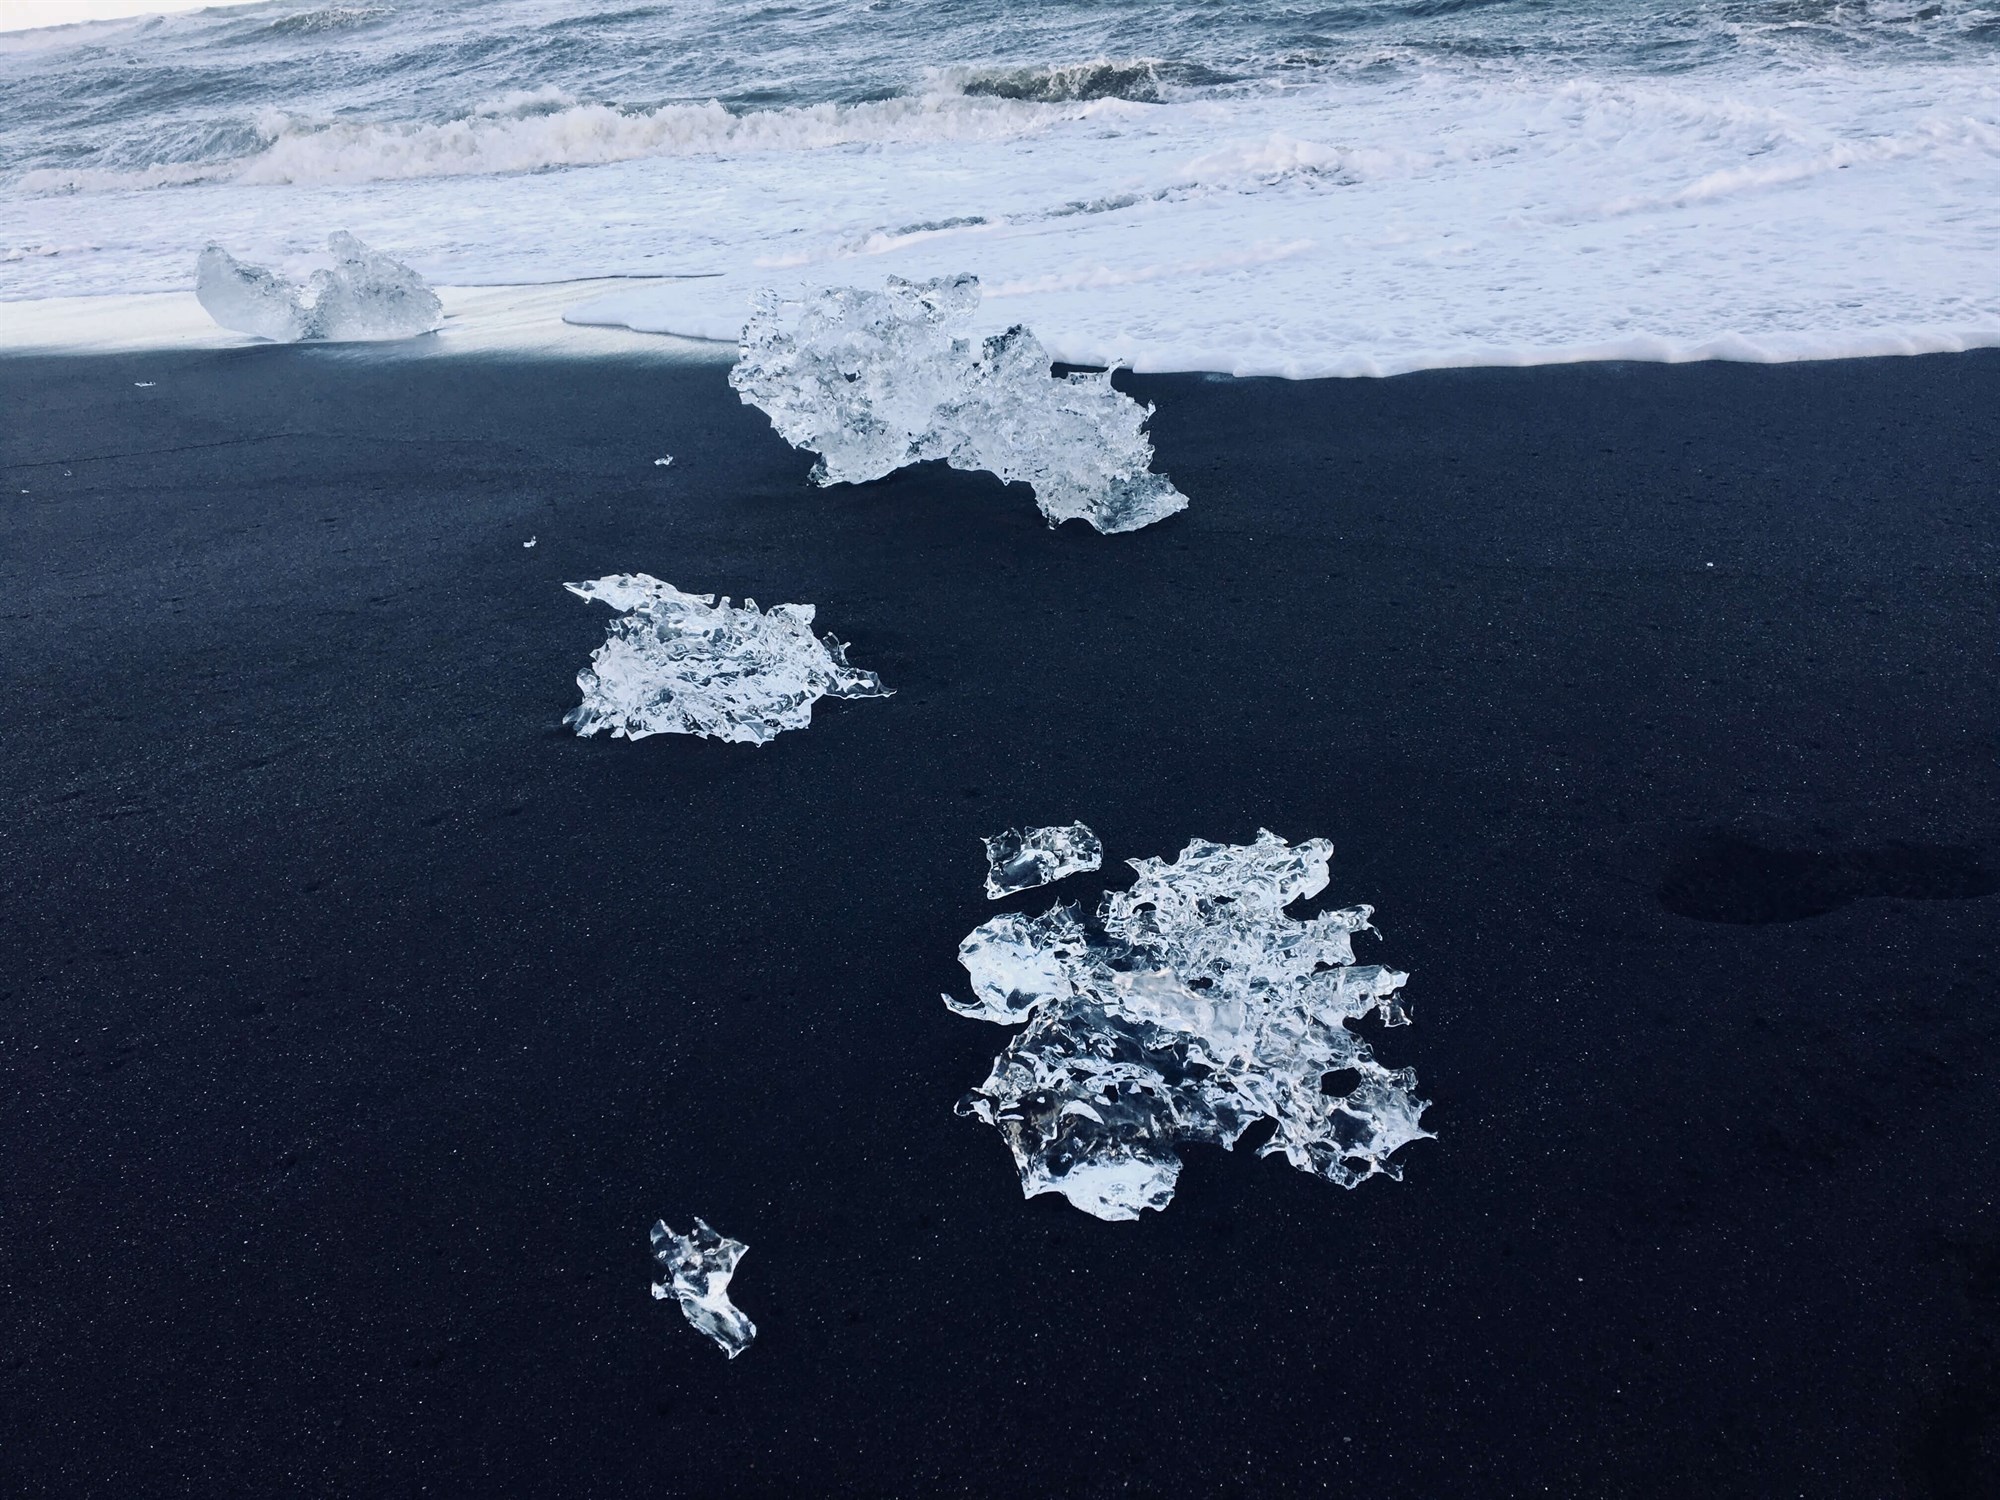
(356, 1019)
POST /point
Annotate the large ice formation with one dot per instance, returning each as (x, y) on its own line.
(677, 663)
(697, 1267)
(366, 295)
(1192, 1007)
(872, 381)
(1022, 858)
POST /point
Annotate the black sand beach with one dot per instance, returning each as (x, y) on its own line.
(356, 1018)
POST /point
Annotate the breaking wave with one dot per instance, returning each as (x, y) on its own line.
(1137, 81)
(536, 130)
(332, 18)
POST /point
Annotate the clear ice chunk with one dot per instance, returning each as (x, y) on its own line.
(1190, 1008)
(697, 1267)
(366, 295)
(1022, 858)
(872, 381)
(249, 299)
(677, 663)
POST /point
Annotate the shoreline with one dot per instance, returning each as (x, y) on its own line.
(606, 318)
(361, 1018)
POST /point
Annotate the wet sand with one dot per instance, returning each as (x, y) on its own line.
(356, 1018)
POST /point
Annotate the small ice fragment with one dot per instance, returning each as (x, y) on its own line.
(531, 541)
(1022, 858)
(664, 463)
(145, 385)
(366, 295)
(1190, 1007)
(678, 663)
(698, 1266)
(872, 381)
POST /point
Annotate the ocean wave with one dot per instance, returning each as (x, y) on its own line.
(1136, 81)
(535, 130)
(329, 18)
(51, 180)
(10, 253)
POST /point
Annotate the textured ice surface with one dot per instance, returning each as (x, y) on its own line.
(1190, 1008)
(678, 663)
(249, 299)
(1022, 858)
(872, 381)
(697, 1267)
(366, 295)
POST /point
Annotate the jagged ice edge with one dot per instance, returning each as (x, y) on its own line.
(1023, 858)
(675, 663)
(873, 381)
(1192, 1008)
(698, 1267)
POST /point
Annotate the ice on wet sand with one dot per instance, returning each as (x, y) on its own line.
(366, 295)
(1191, 1007)
(676, 663)
(872, 381)
(697, 1267)
(1022, 858)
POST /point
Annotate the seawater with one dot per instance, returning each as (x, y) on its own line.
(1295, 190)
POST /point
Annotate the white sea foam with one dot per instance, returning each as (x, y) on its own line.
(1507, 225)
(1351, 223)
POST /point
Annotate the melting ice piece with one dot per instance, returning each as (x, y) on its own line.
(1190, 1008)
(664, 463)
(366, 295)
(1022, 858)
(249, 299)
(531, 541)
(872, 381)
(679, 663)
(698, 1266)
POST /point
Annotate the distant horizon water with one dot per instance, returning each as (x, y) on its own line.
(34, 15)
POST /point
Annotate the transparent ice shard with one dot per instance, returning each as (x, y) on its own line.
(1189, 1008)
(370, 295)
(366, 295)
(249, 299)
(677, 663)
(872, 381)
(697, 1267)
(1022, 858)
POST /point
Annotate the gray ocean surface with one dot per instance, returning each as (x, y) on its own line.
(203, 88)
